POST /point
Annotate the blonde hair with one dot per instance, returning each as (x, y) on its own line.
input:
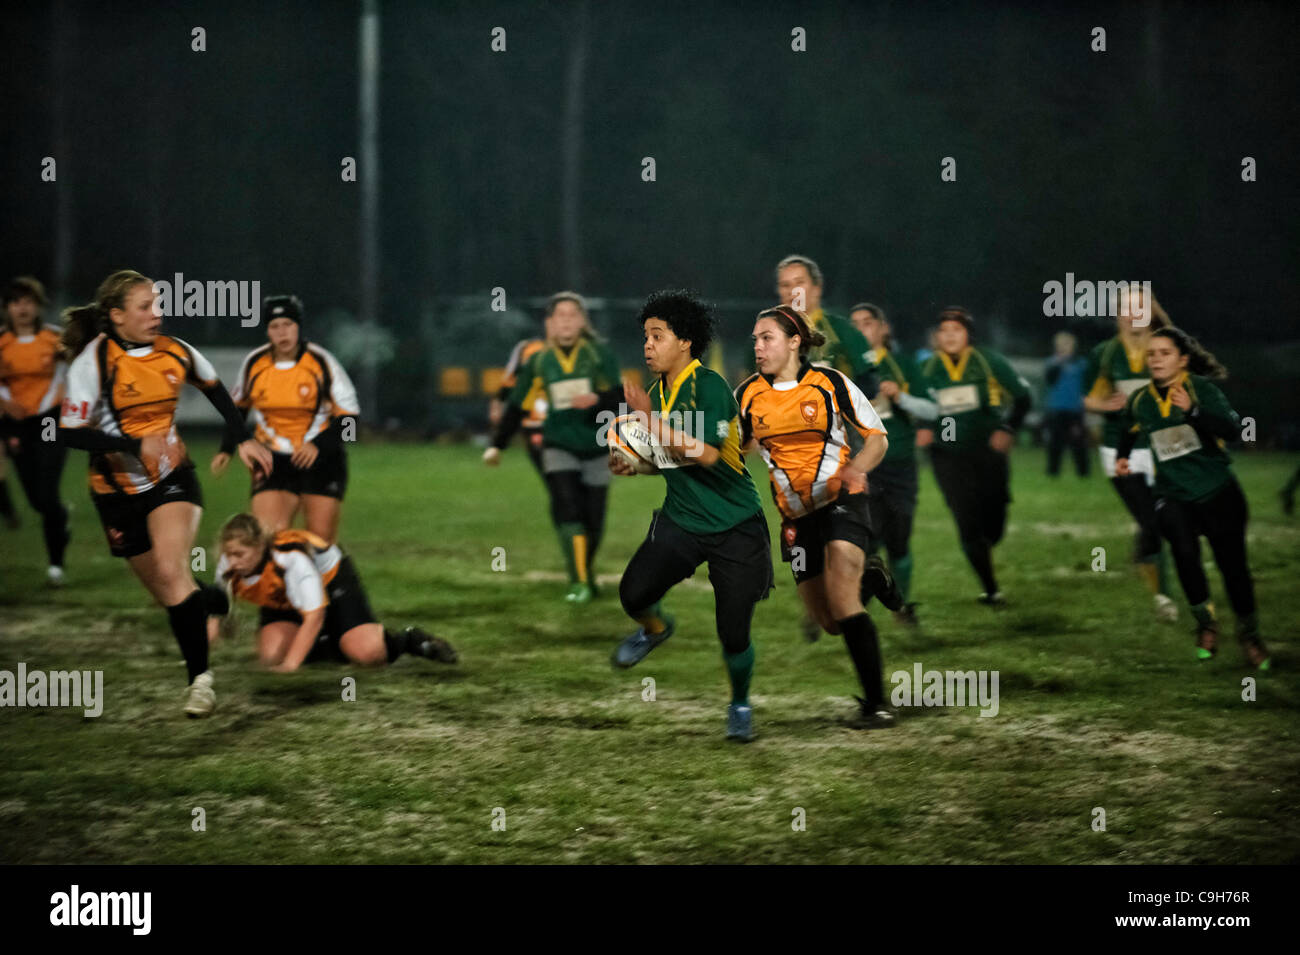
(84, 322)
(244, 529)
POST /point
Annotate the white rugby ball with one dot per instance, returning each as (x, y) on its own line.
(631, 440)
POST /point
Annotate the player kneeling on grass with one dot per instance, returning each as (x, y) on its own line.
(313, 604)
(800, 415)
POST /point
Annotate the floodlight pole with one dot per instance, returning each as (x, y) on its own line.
(368, 178)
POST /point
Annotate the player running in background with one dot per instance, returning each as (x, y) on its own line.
(32, 372)
(903, 399)
(799, 285)
(798, 279)
(580, 378)
(1116, 369)
(300, 399)
(982, 402)
(800, 415)
(1187, 419)
(534, 406)
(711, 512)
(123, 385)
(312, 603)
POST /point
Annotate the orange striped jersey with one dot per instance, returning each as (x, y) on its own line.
(534, 403)
(130, 392)
(294, 575)
(31, 371)
(293, 401)
(802, 431)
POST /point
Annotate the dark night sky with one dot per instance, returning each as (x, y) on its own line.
(1115, 165)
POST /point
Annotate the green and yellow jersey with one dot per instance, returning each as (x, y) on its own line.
(979, 391)
(705, 500)
(904, 372)
(846, 349)
(1112, 366)
(1188, 446)
(555, 376)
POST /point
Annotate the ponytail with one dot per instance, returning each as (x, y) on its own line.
(80, 325)
(1199, 360)
(83, 323)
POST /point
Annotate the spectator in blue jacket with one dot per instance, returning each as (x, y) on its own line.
(1064, 415)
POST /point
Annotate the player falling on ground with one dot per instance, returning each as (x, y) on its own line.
(1187, 419)
(534, 404)
(902, 400)
(313, 606)
(982, 402)
(800, 415)
(711, 512)
(799, 284)
(32, 371)
(580, 378)
(123, 385)
(300, 399)
(1115, 370)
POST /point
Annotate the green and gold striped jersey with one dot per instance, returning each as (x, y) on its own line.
(976, 393)
(1188, 446)
(1113, 367)
(705, 500)
(555, 376)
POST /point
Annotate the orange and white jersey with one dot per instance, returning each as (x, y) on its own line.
(31, 371)
(130, 392)
(535, 402)
(293, 401)
(298, 568)
(802, 431)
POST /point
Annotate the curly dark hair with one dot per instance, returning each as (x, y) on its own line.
(690, 318)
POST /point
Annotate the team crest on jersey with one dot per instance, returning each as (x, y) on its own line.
(128, 390)
(303, 390)
(171, 379)
(809, 411)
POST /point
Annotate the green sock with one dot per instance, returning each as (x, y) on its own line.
(740, 667)
(902, 571)
(1204, 614)
(567, 532)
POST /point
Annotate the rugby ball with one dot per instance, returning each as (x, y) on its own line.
(629, 438)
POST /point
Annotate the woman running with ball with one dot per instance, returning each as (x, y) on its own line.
(711, 514)
(123, 386)
(1186, 419)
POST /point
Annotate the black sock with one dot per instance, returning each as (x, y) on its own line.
(6, 502)
(396, 643)
(55, 528)
(864, 648)
(215, 601)
(981, 559)
(189, 620)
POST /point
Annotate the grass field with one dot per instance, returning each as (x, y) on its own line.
(1099, 705)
